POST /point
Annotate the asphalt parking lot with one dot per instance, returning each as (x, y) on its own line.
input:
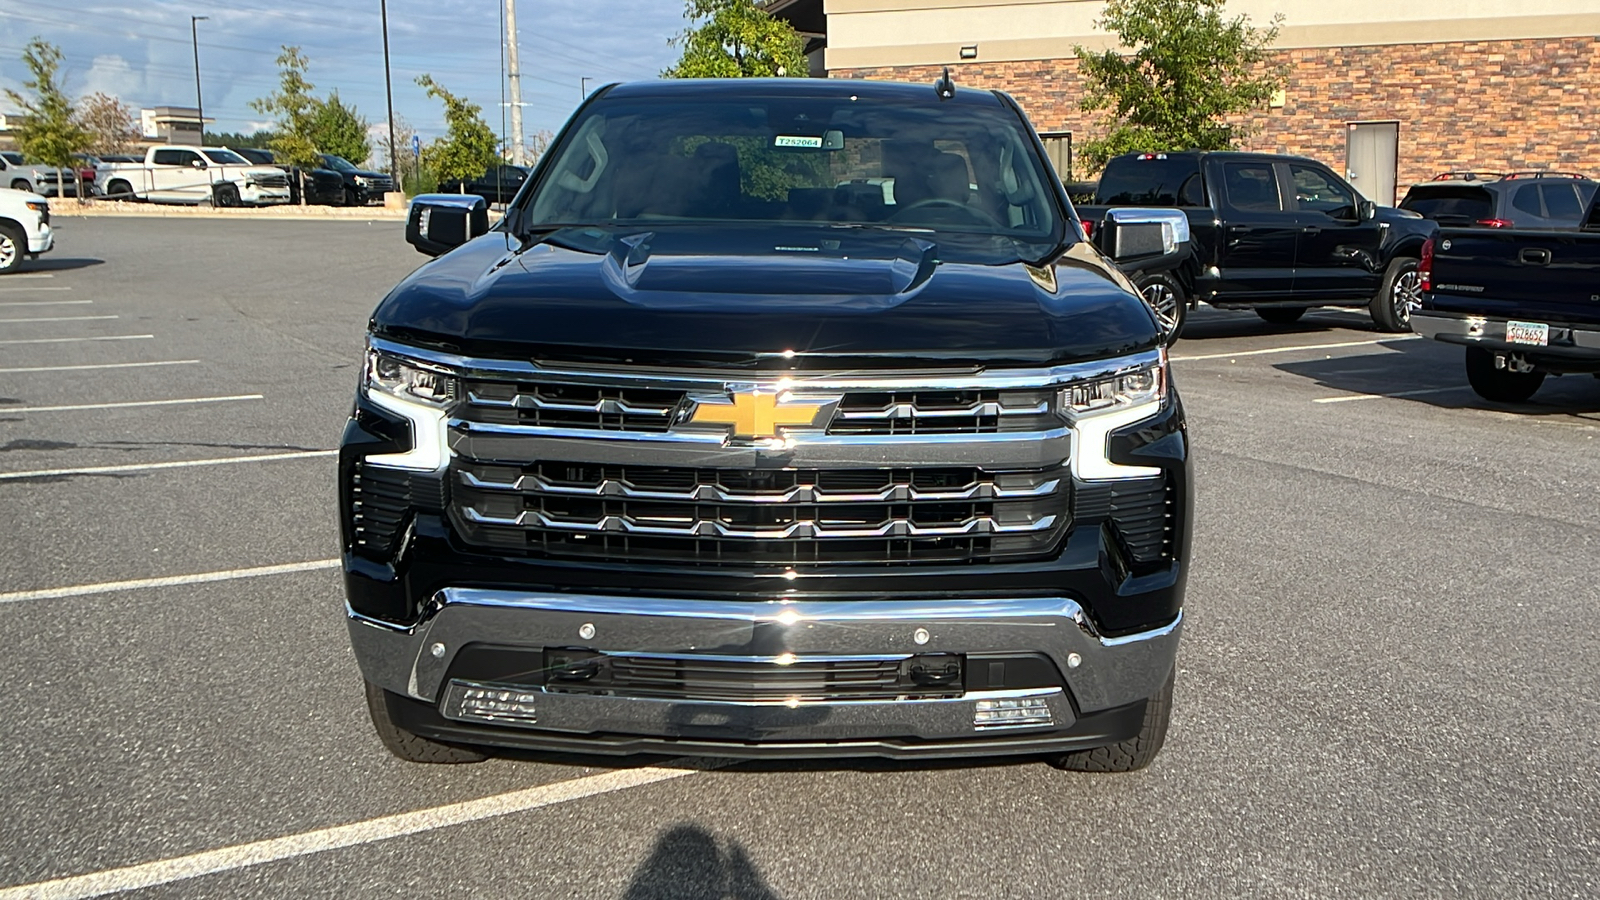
(1387, 685)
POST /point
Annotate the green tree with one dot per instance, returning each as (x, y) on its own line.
(737, 39)
(261, 140)
(49, 132)
(1189, 69)
(295, 110)
(337, 129)
(469, 147)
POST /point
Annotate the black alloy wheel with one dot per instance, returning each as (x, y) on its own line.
(1165, 297)
(225, 195)
(1401, 293)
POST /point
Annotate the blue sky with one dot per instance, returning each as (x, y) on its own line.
(140, 51)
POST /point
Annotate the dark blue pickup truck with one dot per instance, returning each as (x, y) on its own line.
(1525, 304)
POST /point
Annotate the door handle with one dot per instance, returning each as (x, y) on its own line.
(1535, 256)
(1311, 229)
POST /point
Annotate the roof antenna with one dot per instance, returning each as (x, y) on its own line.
(944, 87)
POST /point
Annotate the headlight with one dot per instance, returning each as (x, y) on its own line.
(407, 380)
(361, 180)
(1128, 390)
(1099, 407)
(39, 206)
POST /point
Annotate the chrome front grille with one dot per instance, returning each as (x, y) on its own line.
(646, 409)
(778, 516)
(275, 181)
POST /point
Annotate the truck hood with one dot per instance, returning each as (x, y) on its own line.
(781, 298)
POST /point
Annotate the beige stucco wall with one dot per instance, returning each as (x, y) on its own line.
(870, 33)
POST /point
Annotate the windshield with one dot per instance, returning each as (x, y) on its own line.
(226, 158)
(12, 157)
(663, 161)
(337, 163)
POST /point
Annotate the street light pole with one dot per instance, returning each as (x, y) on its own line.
(199, 105)
(583, 88)
(388, 90)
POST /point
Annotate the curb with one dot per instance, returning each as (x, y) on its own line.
(71, 209)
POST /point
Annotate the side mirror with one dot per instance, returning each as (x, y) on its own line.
(439, 223)
(198, 163)
(1366, 210)
(1143, 236)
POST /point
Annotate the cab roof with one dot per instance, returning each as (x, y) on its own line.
(818, 88)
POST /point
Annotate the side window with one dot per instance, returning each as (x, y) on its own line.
(1561, 201)
(1314, 190)
(1251, 186)
(1193, 192)
(169, 158)
(1526, 200)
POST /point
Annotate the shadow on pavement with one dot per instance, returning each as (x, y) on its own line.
(688, 863)
(1210, 324)
(1411, 365)
(60, 264)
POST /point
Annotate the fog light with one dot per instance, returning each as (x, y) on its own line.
(1012, 711)
(496, 704)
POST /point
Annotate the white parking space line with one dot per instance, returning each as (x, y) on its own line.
(138, 584)
(46, 302)
(1347, 398)
(70, 340)
(1382, 340)
(62, 319)
(87, 366)
(30, 275)
(241, 856)
(174, 464)
(129, 404)
(18, 290)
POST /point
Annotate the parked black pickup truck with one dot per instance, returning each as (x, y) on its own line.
(1525, 304)
(1276, 234)
(781, 418)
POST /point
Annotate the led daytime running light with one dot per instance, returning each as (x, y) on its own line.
(401, 378)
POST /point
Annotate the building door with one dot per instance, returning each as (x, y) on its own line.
(1371, 153)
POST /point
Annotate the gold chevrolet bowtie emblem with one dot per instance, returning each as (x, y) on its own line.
(756, 415)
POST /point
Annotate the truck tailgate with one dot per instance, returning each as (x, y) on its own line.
(1545, 275)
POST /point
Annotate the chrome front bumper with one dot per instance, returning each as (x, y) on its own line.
(1101, 673)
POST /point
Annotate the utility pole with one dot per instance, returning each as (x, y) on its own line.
(388, 90)
(515, 74)
(583, 88)
(199, 106)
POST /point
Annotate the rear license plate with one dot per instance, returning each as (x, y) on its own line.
(1535, 333)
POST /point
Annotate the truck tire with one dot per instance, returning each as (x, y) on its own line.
(225, 195)
(1499, 385)
(119, 190)
(1280, 315)
(1401, 291)
(21, 185)
(1166, 298)
(413, 747)
(351, 198)
(13, 248)
(1136, 752)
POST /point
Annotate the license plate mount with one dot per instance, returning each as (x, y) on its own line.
(1534, 334)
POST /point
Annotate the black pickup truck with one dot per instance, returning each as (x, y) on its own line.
(1276, 234)
(1525, 304)
(785, 417)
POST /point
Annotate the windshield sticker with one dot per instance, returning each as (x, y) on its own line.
(797, 140)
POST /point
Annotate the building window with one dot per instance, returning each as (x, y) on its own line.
(1058, 146)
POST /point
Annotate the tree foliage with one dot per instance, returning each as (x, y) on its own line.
(737, 39)
(1188, 69)
(261, 140)
(295, 110)
(49, 133)
(469, 147)
(337, 129)
(112, 125)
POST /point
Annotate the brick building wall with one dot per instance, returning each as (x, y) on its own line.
(1494, 105)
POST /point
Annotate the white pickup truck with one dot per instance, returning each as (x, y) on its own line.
(24, 228)
(194, 175)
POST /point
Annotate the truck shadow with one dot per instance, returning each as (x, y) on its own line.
(689, 863)
(1433, 374)
(60, 264)
(1211, 324)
